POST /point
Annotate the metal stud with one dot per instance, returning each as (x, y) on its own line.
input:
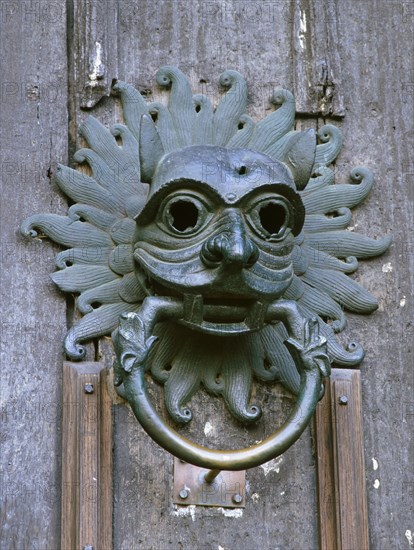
(237, 499)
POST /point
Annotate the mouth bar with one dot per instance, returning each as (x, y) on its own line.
(222, 318)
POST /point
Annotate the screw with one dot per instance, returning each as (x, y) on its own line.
(183, 494)
(88, 388)
(343, 400)
(237, 499)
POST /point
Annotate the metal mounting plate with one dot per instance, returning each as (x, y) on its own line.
(227, 490)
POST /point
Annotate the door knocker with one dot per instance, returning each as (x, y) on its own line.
(215, 251)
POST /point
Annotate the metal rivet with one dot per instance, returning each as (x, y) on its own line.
(237, 499)
(343, 400)
(88, 388)
(183, 494)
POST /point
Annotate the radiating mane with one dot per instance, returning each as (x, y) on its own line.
(99, 233)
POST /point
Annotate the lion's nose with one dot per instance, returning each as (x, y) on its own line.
(230, 246)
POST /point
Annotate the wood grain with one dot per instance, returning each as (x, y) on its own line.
(327, 513)
(370, 43)
(343, 514)
(86, 458)
(317, 70)
(33, 137)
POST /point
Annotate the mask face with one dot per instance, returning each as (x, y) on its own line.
(229, 240)
(220, 227)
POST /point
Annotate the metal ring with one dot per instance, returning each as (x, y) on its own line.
(136, 393)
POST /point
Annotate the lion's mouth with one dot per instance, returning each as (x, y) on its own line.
(223, 316)
(220, 315)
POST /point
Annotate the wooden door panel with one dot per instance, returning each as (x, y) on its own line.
(350, 63)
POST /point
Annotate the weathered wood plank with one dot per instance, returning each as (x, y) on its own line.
(343, 515)
(204, 39)
(327, 517)
(375, 41)
(317, 68)
(95, 50)
(152, 35)
(86, 458)
(230, 35)
(33, 122)
(92, 66)
(70, 459)
(349, 461)
(105, 519)
(88, 449)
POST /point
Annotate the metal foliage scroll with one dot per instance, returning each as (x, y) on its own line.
(181, 190)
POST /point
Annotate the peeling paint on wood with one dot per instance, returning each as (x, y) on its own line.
(272, 466)
(317, 67)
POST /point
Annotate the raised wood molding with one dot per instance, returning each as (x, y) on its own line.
(343, 514)
(86, 459)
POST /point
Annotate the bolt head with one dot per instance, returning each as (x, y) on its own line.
(88, 388)
(183, 494)
(237, 499)
(343, 400)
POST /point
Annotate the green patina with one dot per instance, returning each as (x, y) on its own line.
(226, 218)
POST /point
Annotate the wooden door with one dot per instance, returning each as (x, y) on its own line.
(348, 62)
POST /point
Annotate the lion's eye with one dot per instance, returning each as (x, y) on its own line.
(270, 218)
(184, 215)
